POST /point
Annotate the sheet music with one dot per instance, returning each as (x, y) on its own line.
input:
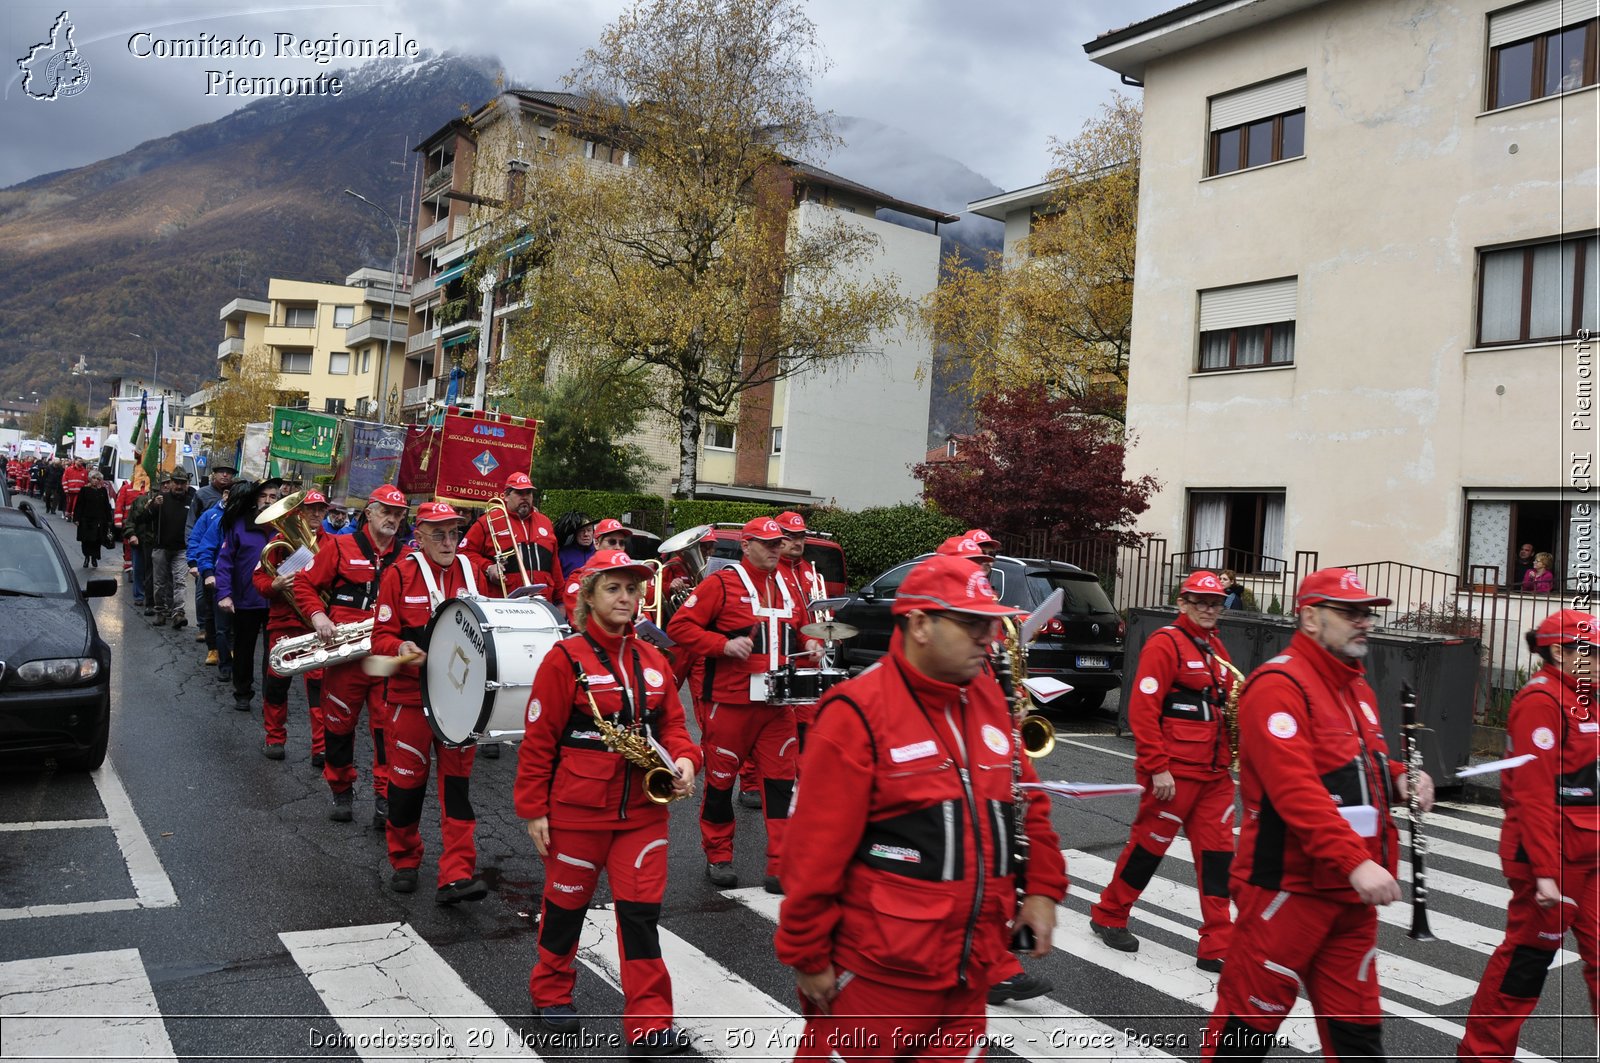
(1046, 688)
(1084, 789)
(300, 559)
(1495, 765)
(661, 751)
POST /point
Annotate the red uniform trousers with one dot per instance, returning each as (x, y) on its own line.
(736, 733)
(635, 861)
(1514, 978)
(275, 700)
(1285, 941)
(1204, 809)
(72, 500)
(409, 738)
(345, 690)
(871, 1020)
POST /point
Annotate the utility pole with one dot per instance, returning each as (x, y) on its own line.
(394, 283)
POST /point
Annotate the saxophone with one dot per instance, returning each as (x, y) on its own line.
(1011, 669)
(659, 776)
(1230, 713)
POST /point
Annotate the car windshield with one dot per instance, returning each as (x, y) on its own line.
(829, 561)
(1083, 594)
(30, 566)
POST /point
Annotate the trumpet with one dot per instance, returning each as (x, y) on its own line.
(498, 505)
(659, 776)
(305, 653)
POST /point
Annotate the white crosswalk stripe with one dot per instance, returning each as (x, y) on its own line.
(93, 1005)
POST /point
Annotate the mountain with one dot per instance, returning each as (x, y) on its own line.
(158, 239)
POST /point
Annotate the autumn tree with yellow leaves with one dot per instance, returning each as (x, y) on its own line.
(1059, 312)
(243, 398)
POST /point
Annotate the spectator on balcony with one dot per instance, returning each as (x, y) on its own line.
(1524, 564)
(1233, 597)
(1541, 578)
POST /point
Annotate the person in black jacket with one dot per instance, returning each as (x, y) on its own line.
(94, 519)
(170, 564)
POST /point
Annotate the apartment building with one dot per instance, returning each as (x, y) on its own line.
(849, 436)
(1366, 274)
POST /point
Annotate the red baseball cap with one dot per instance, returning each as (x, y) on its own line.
(1203, 582)
(389, 495)
(984, 540)
(437, 513)
(518, 481)
(613, 561)
(607, 526)
(1566, 627)
(790, 521)
(314, 498)
(960, 546)
(944, 583)
(1335, 585)
(763, 528)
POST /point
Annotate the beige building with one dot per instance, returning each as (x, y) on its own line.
(1366, 253)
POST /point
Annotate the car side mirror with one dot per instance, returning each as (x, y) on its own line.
(101, 587)
(868, 594)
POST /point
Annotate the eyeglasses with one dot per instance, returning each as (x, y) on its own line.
(1352, 614)
(1205, 605)
(978, 628)
(615, 542)
(446, 535)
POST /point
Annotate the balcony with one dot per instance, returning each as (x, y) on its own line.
(440, 178)
(422, 341)
(230, 346)
(435, 390)
(375, 328)
(288, 336)
(436, 231)
(238, 309)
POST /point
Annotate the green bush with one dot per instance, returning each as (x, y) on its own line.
(689, 512)
(879, 538)
(646, 509)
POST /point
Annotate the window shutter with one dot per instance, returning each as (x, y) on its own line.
(1259, 101)
(1543, 16)
(1248, 304)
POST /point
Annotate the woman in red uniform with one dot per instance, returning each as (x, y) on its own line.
(1550, 844)
(586, 806)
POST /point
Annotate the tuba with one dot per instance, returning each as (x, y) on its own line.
(295, 530)
(688, 546)
(305, 653)
(635, 748)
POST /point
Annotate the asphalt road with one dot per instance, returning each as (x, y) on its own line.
(198, 892)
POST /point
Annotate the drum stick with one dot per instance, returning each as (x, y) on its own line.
(382, 667)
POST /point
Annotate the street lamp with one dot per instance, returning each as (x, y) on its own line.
(155, 358)
(394, 282)
(82, 369)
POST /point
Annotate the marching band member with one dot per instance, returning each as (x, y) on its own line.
(348, 569)
(609, 534)
(523, 530)
(1550, 843)
(586, 805)
(283, 623)
(792, 563)
(410, 591)
(744, 622)
(1181, 741)
(1317, 849)
(897, 920)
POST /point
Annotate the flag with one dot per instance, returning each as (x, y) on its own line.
(299, 435)
(152, 452)
(136, 440)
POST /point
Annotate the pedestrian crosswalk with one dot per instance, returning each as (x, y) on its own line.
(387, 992)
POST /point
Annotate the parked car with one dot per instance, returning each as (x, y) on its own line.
(55, 669)
(821, 550)
(1082, 647)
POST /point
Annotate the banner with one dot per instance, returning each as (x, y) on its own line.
(253, 454)
(370, 458)
(300, 435)
(419, 460)
(477, 452)
(86, 441)
(126, 419)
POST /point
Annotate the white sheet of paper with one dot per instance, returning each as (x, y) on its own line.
(1046, 688)
(1495, 765)
(1084, 789)
(296, 561)
(1364, 818)
(661, 751)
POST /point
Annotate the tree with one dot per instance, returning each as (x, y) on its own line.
(1060, 312)
(1039, 463)
(243, 398)
(686, 274)
(54, 419)
(580, 422)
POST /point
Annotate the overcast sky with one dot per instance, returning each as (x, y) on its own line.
(986, 81)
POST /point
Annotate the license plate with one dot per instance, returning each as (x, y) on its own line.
(1093, 662)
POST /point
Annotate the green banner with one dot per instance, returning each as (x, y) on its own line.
(299, 435)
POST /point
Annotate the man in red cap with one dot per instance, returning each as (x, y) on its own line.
(517, 547)
(1317, 849)
(907, 884)
(966, 546)
(1550, 843)
(609, 534)
(745, 621)
(341, 587)
(1182, 757)
(283, 621)
(409, 593)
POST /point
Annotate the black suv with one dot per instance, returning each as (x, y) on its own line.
(55, 669)
(1082, 647)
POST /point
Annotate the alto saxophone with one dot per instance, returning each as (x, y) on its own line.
(1230, 713)
(659, 776)
(1011, 669)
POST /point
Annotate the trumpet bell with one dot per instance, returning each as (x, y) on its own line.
(1038, 736)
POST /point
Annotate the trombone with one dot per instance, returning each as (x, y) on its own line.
(498, 505)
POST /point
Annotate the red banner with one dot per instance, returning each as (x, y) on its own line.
(476, 454)
(419, 461)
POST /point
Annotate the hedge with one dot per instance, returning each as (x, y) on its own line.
(689, 512)
(879, 538)
(646, 509)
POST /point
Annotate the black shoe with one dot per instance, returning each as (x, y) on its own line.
(380, 813)
(1213, 965)
(750, 798)
(318, 759)
(1019, 987)
(180, 621)
(149, 612)
(159, 621)
(667, 1042)
(1117, 937)
(722, 874)
(462, 889)
(241, 702)
(342, 812)
(490, 750)
(94, 562)
(772, 885)
(272, 750)
(86, 562)
(404, 880)
(558, 1018)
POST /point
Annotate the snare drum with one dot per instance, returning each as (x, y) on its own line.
(482, 656)
(802, 686)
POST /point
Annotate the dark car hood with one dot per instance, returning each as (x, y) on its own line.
(35, 628)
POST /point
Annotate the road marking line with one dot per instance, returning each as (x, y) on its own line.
(384, 983)
(92, 1005)
(1098, 749)
(150, 881)
(54, 824)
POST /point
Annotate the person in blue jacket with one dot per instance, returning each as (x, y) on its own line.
(204, 538)
(337, 521)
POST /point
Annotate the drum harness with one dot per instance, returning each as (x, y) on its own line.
(435, 595)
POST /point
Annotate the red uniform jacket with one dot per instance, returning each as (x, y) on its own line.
(403, 612)
(125, 496)
(904, 811)
(346, 571)
(1552, 808)
(719, 611)
(564, 770)
(73, 479)
(1176, 708)
(536, 541)
(281, 618)
(803, 578)
(1309, 744)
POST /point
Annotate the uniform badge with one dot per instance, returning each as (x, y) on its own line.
(688, 603)
(1544, 738)
(653, 677)
(384, 613)
(996, 739)
(534, 709)
(1282, 725)
(543, 532)
(1372, 717)
(1149, 685)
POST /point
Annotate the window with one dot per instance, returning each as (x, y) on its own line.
(366, 360)
(294, 361)
(300, 316)
(344, 316)
(1248, 326)
(1538, 292)
(339, 363)
(1498, 527)
(333, 406)
(777, 440)
(1261, 124)
(1541, 49)
(888, 584)
(719, 435)
(1241, 530)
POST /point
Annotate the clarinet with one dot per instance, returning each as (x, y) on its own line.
(1419, 845)
(1022, 938)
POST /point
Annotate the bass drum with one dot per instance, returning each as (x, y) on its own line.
(482, 656)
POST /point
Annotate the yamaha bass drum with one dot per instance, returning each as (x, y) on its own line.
(482, 656)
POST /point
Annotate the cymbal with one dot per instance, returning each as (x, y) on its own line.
(829, 631)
